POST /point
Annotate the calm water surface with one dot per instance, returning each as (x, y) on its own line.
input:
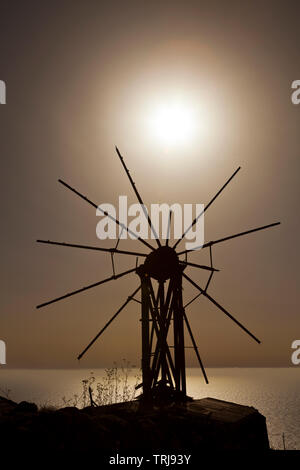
(274, 392)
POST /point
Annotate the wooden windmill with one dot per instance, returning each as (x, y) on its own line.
(163, 318)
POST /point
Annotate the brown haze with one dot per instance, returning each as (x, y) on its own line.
(80, 78)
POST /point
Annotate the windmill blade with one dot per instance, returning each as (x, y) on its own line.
(109, 322)
(195, 347)
(211, 264)
(200, 293)
(192, 300)
(201, 266)
(207, 206)
(214, 242)
(169, 226)
(240, 234)
(220, 307)
(106, 213)
(207, 283)
(86, 288)
(107, 250)
(138, 196)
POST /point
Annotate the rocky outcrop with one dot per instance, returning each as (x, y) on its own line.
(199, 425)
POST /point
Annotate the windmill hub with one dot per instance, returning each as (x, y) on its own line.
(161, 263)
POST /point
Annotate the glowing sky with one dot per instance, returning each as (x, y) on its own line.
(188, 91)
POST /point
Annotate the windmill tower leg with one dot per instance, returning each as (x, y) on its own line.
(146, 351)
(178, 327)
(163, 371)
(163, 317)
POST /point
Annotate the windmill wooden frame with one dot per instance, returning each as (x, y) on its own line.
(163, 317)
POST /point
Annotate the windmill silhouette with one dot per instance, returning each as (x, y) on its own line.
(163, 317)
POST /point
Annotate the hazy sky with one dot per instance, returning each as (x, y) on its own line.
(83, 76)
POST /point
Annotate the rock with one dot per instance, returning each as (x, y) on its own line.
(197, 426)
(6, 406)
(26, 407)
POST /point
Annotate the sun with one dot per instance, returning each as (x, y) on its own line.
(173, 123)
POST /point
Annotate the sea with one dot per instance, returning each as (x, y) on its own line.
(274, 392)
